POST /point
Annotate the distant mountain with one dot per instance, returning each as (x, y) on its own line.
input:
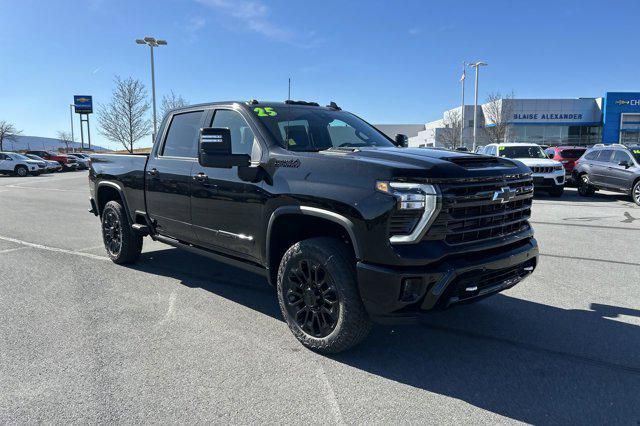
(40, 143)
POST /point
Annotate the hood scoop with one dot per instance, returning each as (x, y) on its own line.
(476, 161)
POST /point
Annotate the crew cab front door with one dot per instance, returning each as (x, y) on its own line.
(168, 175)
(226, 211)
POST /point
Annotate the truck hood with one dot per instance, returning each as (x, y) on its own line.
(432, 163)
(540, 162)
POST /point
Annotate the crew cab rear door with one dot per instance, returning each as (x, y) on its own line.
(168, 175)
(226, 210)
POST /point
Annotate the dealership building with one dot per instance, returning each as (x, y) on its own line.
(614, 118)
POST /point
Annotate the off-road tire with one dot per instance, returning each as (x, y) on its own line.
(21, 171)
(337, 260)
(130, 246)
(584, 186)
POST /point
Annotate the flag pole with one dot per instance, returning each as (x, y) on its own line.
(462, 79)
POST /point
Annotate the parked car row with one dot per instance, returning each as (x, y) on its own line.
(548, 174)
(609, 167)
(612, 167)
(37, 162)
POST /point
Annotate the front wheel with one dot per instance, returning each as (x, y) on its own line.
(22, 171)
(635, 193)
(318, 295)
(123, 244)
(584, 186)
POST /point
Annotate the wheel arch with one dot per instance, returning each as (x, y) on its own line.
(307, 222)
(110, 191)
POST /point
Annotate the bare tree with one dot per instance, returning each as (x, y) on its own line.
(497, 115)
(8, 132)
(452, 130)
(172, 101)
(124, 119)
(65, 138)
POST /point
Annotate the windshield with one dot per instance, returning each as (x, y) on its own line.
(313, 129)
(527, 151)
(34, 157)
(21, 157)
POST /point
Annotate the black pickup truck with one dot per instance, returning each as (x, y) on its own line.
(348, 225)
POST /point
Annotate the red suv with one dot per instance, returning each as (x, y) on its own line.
(65, 161)
(567, 155)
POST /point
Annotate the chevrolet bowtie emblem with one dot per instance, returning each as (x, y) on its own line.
(622, 102)
(504, 194)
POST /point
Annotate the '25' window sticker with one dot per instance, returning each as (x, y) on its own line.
(265, 112)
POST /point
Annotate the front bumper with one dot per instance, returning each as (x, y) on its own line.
(548, 180)
(393, 295)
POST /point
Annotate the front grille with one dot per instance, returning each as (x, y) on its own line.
(470, 214)
(402, 222)
(539, 169)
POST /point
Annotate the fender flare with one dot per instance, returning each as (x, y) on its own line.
(120, 192)
(334, 217)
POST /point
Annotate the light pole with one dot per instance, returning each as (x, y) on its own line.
(71, 118)
(152, 42)
(477, 66)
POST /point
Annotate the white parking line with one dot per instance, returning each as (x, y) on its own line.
(12, 249)
(54, 249)
(43, 188)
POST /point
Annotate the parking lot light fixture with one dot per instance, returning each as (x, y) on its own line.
(152, 42)
(477, 66)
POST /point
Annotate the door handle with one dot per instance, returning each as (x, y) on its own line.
(153, 172)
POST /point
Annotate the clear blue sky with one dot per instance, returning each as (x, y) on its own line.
(389, 61)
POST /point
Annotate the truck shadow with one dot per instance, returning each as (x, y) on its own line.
(520, 359)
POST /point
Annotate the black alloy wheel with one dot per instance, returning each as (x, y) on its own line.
(312, 298)
(112, 233)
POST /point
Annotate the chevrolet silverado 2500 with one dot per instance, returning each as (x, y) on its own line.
(349, 226)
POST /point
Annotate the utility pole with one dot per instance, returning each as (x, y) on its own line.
(462, 80)
(152, 42)
(71, 118)
(477, 66)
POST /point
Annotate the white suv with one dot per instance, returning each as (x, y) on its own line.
(18, 164)
(548, 175)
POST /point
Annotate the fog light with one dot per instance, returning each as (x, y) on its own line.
(410, 289)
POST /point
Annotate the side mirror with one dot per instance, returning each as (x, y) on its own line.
(215, 149)
(401, 141)
(624, 164)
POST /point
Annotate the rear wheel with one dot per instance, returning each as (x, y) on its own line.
(318, 295)
(22, 171)
(123, 244)
(635, 193)
(584, 186)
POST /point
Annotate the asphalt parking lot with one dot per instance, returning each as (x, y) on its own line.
(178, 338)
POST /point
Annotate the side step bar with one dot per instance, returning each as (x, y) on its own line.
(142, 229)
(251, 267)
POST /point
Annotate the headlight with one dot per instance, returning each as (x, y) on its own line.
(412, 196)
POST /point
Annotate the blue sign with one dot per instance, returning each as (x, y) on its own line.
(616, 104)
(83, 104)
